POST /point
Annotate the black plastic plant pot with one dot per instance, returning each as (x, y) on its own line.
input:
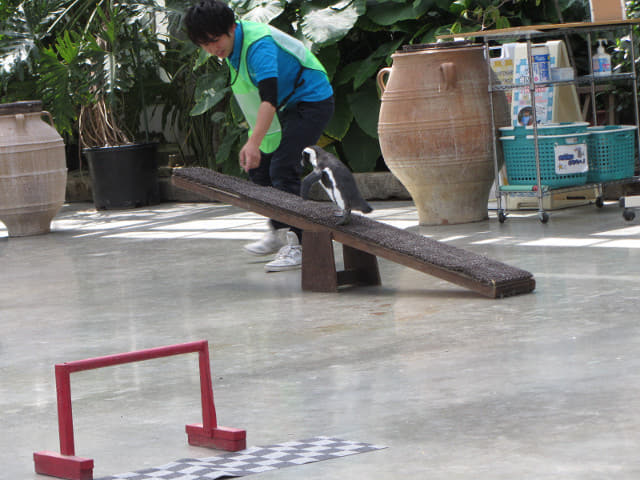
(124, 176)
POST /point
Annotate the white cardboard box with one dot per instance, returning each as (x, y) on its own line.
(602, 10)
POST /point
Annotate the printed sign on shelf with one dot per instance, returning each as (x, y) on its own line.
(571, 159)
(503, 68)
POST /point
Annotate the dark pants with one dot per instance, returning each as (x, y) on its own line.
(302, 125)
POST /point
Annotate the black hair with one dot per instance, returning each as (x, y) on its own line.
(208, 19)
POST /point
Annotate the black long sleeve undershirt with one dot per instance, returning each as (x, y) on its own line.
(268, 90)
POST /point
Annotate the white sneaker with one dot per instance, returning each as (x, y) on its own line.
(289, 257)
(271, 242)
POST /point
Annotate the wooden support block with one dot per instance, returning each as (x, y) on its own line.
(318, 263)
(63, 466)
(319, 269)
(364, 264)
(224, 438)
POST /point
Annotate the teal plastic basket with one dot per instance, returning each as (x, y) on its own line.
(546, 129)
(612, 152)
(520, 159)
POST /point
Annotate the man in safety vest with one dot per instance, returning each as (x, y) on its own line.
(285, 95)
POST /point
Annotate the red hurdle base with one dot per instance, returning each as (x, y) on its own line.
(63, 466)
(224, 438)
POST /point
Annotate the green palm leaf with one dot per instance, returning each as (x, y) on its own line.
(262, 11)
(326, 24)
(391, 13)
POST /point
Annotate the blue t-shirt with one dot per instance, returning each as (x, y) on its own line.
(266, 60)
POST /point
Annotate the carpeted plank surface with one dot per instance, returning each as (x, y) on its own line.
(471, 265)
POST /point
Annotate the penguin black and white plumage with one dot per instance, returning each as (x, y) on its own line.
(336, 179)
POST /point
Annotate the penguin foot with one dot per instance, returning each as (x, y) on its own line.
(343, 218)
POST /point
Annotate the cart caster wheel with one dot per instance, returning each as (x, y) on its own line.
(544, 217)
(628, 215)
(502, 217)
(599, 202)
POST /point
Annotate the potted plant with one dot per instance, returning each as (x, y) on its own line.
(95, 74)
(123, 172)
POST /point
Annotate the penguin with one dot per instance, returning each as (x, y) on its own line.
(336, 179)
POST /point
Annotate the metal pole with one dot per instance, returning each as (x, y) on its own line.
(493, 126)
(592, 82)
(532, 93)
(635, 83)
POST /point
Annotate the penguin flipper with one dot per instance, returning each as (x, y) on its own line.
(307, 181)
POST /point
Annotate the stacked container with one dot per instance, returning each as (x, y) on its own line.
(562, 149)
(611, 152)
(570, 154)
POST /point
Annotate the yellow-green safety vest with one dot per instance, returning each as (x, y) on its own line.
(246, 92)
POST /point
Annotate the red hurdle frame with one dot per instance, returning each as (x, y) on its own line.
(207, 434)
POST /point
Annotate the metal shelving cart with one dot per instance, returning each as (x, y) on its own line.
(528, 34)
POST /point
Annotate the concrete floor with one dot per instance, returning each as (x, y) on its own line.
(456, 385)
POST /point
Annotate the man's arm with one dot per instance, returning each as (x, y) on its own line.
(250, 152)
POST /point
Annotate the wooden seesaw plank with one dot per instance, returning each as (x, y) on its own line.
(363, 240)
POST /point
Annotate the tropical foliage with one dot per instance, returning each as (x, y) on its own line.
(46, 46)
(355, 38)
(85, 60)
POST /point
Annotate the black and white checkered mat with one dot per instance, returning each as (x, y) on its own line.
(251, 460)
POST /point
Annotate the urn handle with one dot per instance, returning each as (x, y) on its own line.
(448, 75)
(44, 113)
(380, 78)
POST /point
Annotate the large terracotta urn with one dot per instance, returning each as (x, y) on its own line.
(435, 129)
(33, 169)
